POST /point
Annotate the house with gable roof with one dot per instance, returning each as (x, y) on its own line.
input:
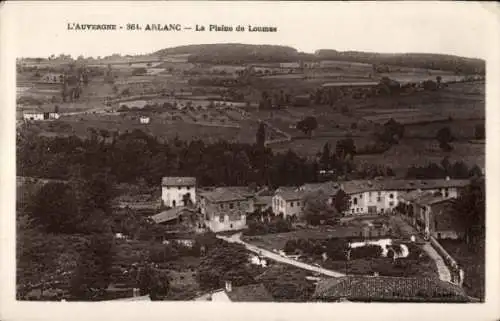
(226, 208)
(178, 191)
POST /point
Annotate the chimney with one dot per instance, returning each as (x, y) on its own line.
(375, 274)
(135, 292)
(229, 286)
(447, 178)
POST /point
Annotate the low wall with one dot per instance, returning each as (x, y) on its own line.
(448, 259)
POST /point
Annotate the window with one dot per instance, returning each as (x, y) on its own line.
(357, 209)
(221, 218)
(188, 188)
(221, 206)
(355, 201)
(231, 206)
(291, 204)
(391, 195)
(391, 203)
(379, 199)
(179, 187)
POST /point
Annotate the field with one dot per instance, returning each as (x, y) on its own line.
(459, 106)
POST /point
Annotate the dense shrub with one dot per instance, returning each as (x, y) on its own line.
(367, 251)
(277, 225)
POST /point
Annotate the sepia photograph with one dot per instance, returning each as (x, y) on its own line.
(265, 152)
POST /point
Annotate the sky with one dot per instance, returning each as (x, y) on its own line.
(40, 29)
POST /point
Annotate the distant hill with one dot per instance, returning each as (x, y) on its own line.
(413, 60)
(235, 53)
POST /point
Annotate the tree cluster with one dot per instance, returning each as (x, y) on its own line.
(224, 262)
(456, 170)
(131, 156)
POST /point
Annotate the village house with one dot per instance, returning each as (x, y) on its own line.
(431, 213)
(144, 120)
(245, 293)
(178, 191)
(226, 208)
(387, 289)
(289, 202)
(39, 115)
(175, 216)
(379, 196)
(366, 197)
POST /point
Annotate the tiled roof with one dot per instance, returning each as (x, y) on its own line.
(431, 199)
(413, 195)
(264, 200)
(366, 288)
(329, 188)
(170, 214)
(359, 186)
(250, 293)
(227, 194)
(291, 194)
(178, 181)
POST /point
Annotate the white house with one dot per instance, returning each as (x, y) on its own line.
(178, 191)
(33, 116)
(365, 196)
(378, 196)
(39, 115)
(144, 120)
(289, 202)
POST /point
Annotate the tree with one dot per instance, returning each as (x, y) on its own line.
(35, 256)
(54, 207)
(341, 201)
(344, 148)
(479, 131)
(154, 282)
(261, 135)
(325, 160)
(93, 274)
(470, 210)
(317, 208)
(438, 81)
(307, 125)
(445, 137)
(221, 259)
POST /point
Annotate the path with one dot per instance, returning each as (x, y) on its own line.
(236, 238)
(444, 272)
(407, 230)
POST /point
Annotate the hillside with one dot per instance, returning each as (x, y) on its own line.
(413, 60)
(232, 53)
(235, 53)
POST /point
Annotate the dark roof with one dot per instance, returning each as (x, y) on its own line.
(170, 214)
(359, 186)
(431, 199)
(330, 188)
(263, 200)
(178, 181)
(250, 293)
(413, 195)
(291, 193)
(384, 288)
(227, 194)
